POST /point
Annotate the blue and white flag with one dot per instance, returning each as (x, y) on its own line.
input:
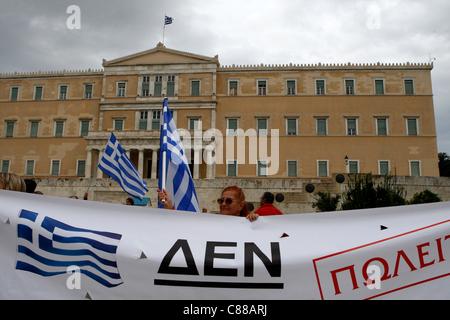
(116, 164)
(49, 247)
(179, 183)
(168, 20)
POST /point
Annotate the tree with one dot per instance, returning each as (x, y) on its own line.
(444, 164)
(363, 193)
(426, 196)
(326, 202)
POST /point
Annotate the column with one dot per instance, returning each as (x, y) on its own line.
(196, 164)
(141, 163)
(99, 171)
(154, 164)
(87, 171)
(209, 164)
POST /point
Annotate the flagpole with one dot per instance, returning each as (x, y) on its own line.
(164, 160)
(164, 29)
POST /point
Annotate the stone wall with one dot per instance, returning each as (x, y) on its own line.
(296, 197)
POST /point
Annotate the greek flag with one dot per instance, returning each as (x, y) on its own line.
(47, 247)
(168, 20)
(116, 164)
(179, 183)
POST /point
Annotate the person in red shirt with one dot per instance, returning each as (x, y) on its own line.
(267, 208)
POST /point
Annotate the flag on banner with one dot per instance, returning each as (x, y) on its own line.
(168, 20)
(179, 183)
(48, 247)
(116, 164)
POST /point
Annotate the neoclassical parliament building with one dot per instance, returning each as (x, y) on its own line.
(289, 121)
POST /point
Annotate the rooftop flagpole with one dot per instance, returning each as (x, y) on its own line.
(167, 20)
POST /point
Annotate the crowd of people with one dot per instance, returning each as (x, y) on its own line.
(231, 202)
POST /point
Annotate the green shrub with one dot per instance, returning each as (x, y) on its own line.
(426, 196)
(326, 202)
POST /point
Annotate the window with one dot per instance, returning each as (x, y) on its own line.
(321, 127)
(156, 120)
(352, 127)
(118, 124)
(232, 126)
(262, 87)
(349, 87)
(414, 168)
(143, 120)
(145, 86)
(353, 166)
(409, 86)
(233, 88)
(262, 127)
(34, 129)
(9, 129)
(322, 168)
(412, 126)
(29, 170)
(231, 168)
(38, 93)
(59, 128)
(262, 168)
(379, 86)
(81, 167)
(121, 88)
(158, 86)
(5, 166)
(170, 85)
(14, 93)
(62, 92)
(383, 167)
(55, 167)
(291, 127)
(290, 87)
(292, 169)
(320, 87)
(195, 88)
(382, 127)
(88, 91)
(84, 128)
(194, 123)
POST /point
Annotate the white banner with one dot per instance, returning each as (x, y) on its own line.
(55, 248)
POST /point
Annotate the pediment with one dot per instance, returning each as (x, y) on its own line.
(160, 55)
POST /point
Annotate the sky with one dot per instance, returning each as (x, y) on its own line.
(34, 34)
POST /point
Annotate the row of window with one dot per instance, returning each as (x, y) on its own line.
(322, 168)
(62, 92)
(232, 167)
(55, 167)
(154, 87)
(34, 128)
(320, 86)
(382, 127)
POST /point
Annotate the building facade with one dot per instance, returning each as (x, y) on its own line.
(258, 121)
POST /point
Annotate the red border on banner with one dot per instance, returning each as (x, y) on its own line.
(373, 243)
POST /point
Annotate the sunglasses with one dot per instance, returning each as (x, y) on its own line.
(228, 201)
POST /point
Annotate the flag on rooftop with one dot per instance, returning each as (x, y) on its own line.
(168, 20)
(178, 178)
(116, 164)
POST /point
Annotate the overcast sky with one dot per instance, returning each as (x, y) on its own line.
(34, 34)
